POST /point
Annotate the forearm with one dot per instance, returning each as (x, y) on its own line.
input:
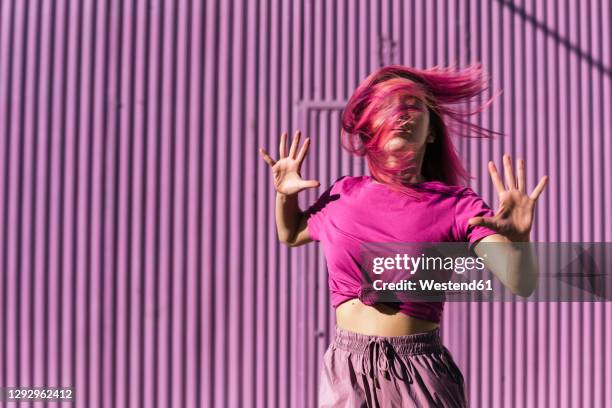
(514, 263)
(522, 268)
(288, 217)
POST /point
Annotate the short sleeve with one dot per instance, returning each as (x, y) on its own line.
(471, 205)
(317, 213)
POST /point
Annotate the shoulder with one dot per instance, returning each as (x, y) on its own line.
(447, 190)
(456, 190)
(465, 192)
(348, 183)
(469, 203)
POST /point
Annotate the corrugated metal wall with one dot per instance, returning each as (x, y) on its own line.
(138, 256)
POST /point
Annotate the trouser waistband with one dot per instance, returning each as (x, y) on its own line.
(419, 343)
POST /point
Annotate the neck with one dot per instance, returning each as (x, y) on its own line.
(411, 179)
(417, 176)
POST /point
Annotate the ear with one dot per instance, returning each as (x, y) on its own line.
(430, 138)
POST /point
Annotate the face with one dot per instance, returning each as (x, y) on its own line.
(414, 135)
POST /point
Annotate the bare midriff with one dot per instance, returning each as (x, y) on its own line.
(379, 320)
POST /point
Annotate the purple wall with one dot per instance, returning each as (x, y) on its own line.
(138, 258)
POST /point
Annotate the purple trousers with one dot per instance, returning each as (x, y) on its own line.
(404, 371)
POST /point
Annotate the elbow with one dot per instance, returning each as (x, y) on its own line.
(524, 293)
(289, 243)
(526, 281)
(288, 240)
(285, 241)
(526, 290)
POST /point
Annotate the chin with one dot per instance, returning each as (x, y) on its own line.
(400, 144)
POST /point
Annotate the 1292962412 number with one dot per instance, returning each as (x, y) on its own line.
(36, 393)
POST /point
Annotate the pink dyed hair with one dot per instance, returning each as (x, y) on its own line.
(373, 115)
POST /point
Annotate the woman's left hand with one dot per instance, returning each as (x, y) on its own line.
(515, 214)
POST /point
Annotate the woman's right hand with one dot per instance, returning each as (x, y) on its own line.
(286, 171)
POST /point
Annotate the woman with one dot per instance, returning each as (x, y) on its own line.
(402, 120)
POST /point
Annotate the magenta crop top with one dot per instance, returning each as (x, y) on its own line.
(355, 210)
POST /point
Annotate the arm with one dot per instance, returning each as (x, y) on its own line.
(291, 224)
(291, 221)
(514, 265)
(511, 258)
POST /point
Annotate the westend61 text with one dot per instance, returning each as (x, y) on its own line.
(429, 284)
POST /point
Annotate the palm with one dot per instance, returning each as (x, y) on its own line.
(516, 211)
(286, 171)
(287, 178)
